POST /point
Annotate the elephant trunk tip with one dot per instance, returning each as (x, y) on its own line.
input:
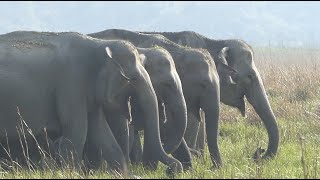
(258, 154)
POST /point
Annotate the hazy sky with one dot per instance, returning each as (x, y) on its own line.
(259, 23)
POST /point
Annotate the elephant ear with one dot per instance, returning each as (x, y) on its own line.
(109, 52)
(101, 86)
(225, 71)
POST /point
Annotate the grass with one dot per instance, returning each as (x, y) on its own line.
(292, 81)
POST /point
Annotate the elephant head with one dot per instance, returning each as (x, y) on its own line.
(167, 84)
(229, 94)
(245, 81)
(128, 78)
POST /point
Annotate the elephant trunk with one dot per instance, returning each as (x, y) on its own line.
(176, 124)
(152, 150)
(210, 105)
(257, 97)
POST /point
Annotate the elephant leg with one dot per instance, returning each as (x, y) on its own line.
(183, 155)
(162, 119)
(201, 138)
(102, 145)
(73, 118)
(136, 149)
(131, 136)
(120, 130)
(47, 154)
(64, 152)
(192, 129)
(210, 103)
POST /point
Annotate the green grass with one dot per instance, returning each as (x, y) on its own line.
(298, 155)
(292, 83)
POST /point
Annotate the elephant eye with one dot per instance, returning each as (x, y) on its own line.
(133, 79)
(250, 76)
(168, 83)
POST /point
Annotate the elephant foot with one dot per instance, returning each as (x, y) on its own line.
(170, 173)
(195, 153)
(173, 169)
(64, 154)
(187, 166)
(150, 165)
(136, 163)
(47, 163)
(201, 152)
(216, 166)
(132, 176)
(136, 156)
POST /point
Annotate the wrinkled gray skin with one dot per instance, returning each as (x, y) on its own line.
(246, 82)
(172, 106)
(66, 83)
(199, 78)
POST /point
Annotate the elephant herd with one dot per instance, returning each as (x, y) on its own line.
(85, 98)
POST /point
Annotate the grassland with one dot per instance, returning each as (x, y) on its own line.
(292, 81)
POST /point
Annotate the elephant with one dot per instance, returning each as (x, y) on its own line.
(66, 83)
(199, 78)
(167, 85)
(172, 106)
(234, 87)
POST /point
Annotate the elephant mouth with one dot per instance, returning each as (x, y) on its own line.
(241, 105)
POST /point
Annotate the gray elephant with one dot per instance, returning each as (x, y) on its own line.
(166, 82)
(199, 78)
(172, 106)
(246, 82)
(66, 83)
